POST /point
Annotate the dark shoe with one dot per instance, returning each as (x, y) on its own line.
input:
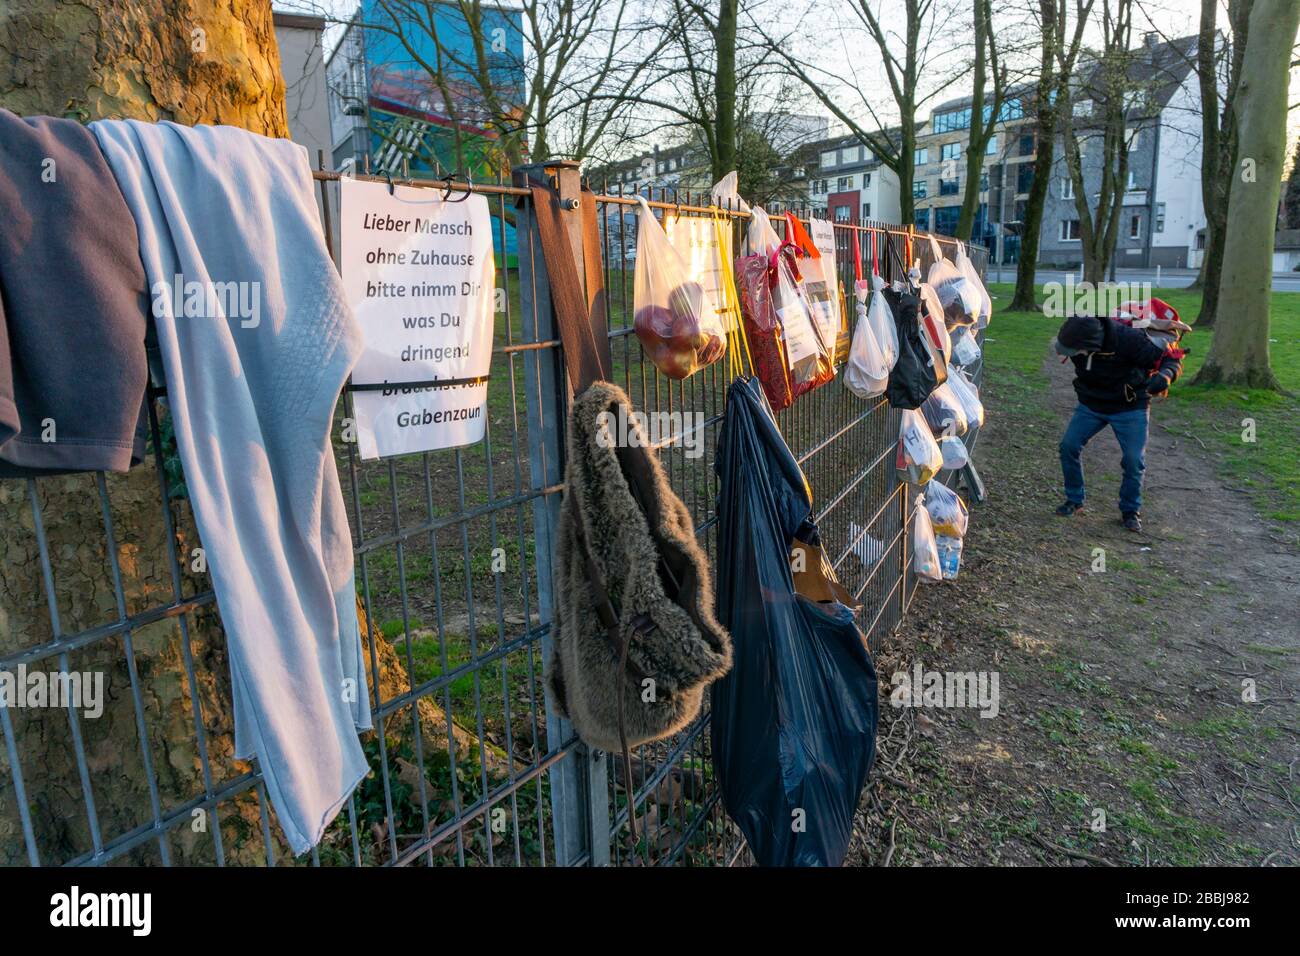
(1132, 521)
(1068, 510)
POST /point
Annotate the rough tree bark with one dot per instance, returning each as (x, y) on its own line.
(1023, 300)
(153, 60)
(1218, 141)
(1239, 353)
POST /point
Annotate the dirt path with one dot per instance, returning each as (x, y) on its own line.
(1121, 691)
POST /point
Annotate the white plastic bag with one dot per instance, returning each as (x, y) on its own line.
(955, 456)
(881, 317)
(925, 554)
(868, 549)
(960, 299)
(963, 262)
(867, 373)
(968, 395)
(944, 412)
(947, 511)
(761, 238)
(726, 194)
(920, 451)
(965, 350)
(671, 316)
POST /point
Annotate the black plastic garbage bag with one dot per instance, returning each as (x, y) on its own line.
(794, 721)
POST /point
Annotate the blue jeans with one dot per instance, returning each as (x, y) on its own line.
(1130, 429)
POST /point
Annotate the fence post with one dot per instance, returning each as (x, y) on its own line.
(579, 783)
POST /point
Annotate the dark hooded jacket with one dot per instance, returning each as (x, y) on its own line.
(1112, 370)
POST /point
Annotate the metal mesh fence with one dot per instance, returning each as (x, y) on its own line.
(470, 765)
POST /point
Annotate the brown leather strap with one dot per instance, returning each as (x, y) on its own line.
(579, 308)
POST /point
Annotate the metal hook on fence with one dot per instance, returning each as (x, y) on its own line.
(449, 180)
(388, 175)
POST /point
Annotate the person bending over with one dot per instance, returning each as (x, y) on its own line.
(1117, 371)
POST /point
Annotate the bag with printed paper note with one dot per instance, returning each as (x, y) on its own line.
(789, 354)
(676, 324)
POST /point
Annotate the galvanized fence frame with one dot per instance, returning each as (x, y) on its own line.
(471, 763)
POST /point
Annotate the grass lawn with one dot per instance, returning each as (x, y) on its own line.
(1218, 416)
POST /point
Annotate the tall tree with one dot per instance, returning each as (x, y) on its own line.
(1218, 67)
(1239, 352)
(1108, 90)
(985, 66)
(907, 61)
(1056, 65)
(149, 60)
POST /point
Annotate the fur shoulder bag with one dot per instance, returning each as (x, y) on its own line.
(635, 639)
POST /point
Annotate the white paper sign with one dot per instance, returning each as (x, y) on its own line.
(696, 239)
(797, 330)
(827, 312)
(419, 275)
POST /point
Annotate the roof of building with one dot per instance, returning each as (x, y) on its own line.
(1287, 239)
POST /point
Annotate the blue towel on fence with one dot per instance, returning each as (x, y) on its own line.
(256, 342)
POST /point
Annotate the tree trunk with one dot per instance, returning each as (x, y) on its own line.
(1218, 143)
(725, 88)
(1239, 353)
(148, 62)
(1023, 300)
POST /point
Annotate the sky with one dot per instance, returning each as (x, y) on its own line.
(806, 22)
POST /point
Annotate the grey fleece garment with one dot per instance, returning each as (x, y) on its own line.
(72, 305)
(256, 342)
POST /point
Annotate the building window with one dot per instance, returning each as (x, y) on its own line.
(1135, 227)
(1160, 217)
(1083, 108)
(945, 219)
(864, 154)
(1132, 137)
(828, 158)
(949, 187)
(866, 180)
(950, 151)
(1025, 177)
(984, 182)
(918, 189)
(1067, 187)
(866, 210)
(921, 156)
(992, 147)
(1026, 144)
(922, 219)
(844, 183)
(843, 213)
(1069, 230)
(1132, 181)
(1200, 240)
(952, 121)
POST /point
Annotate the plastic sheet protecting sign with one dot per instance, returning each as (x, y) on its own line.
(705, 246)
(419, 275)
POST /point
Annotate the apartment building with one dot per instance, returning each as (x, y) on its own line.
(1162, 218)
(849, 183)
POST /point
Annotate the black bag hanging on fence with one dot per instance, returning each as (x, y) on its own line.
(918, 371)
(794, 722)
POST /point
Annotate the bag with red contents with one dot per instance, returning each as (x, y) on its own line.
(672, 316)
(789, 352)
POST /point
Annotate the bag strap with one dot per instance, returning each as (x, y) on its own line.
(579, 310)
(857, 258)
